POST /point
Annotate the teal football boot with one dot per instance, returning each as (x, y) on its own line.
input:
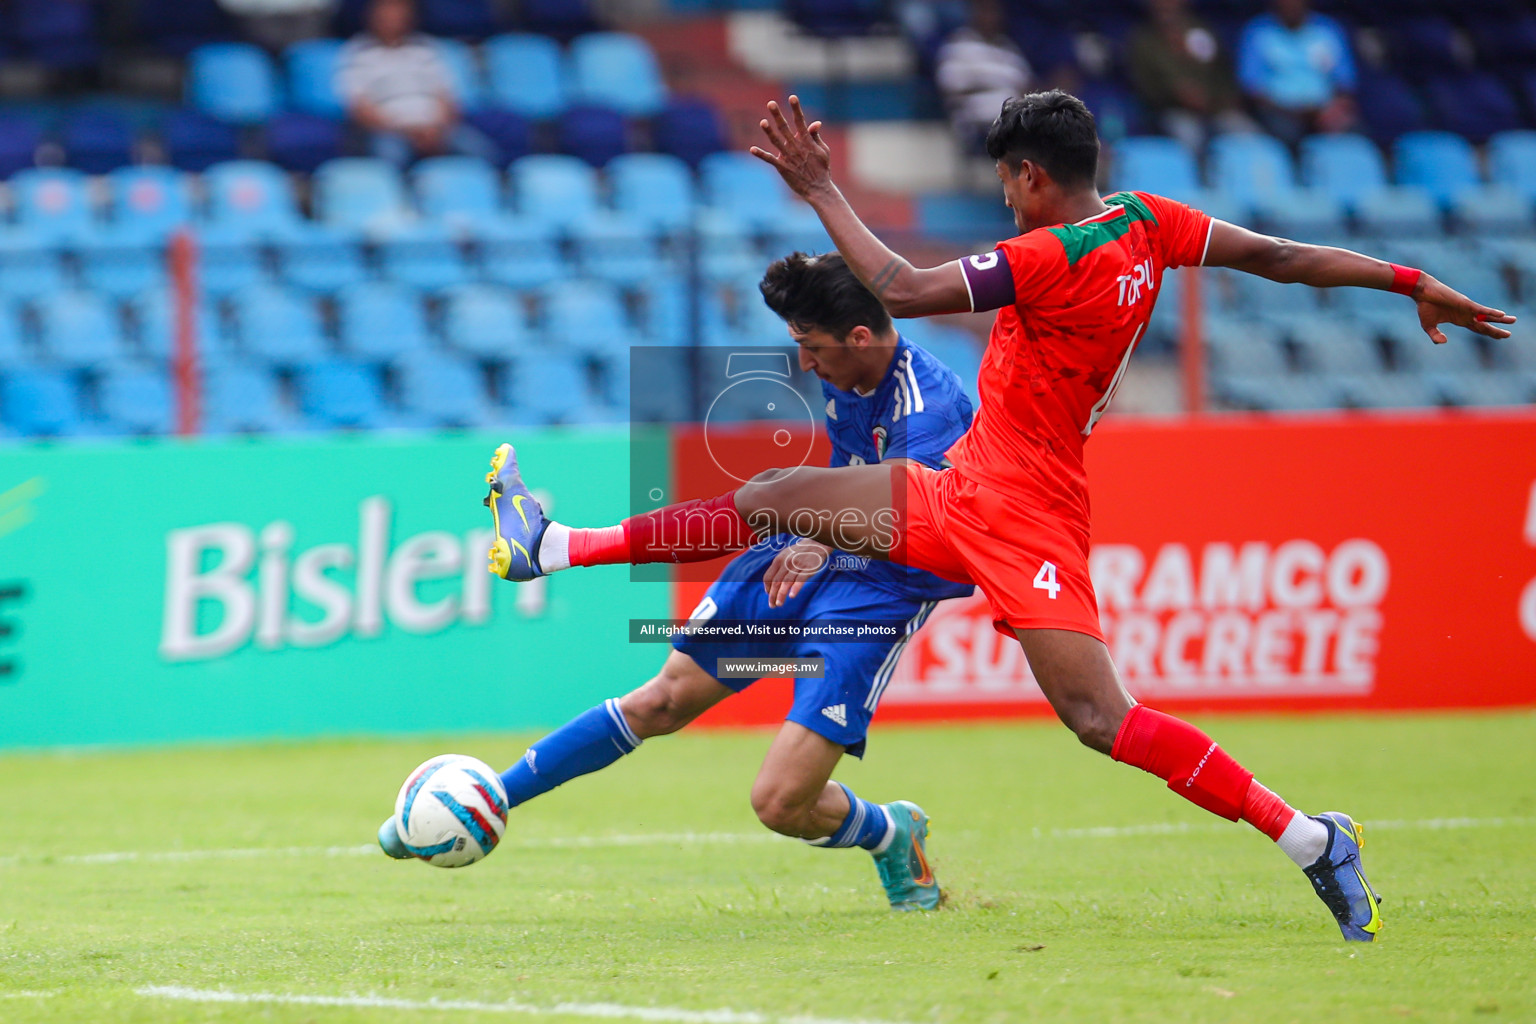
(903, 865)
(390, 841)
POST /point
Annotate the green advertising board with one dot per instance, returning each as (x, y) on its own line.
(169, 591)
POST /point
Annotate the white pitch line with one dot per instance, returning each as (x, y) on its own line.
(27, 995)
(612, 1011)
(1184, 828)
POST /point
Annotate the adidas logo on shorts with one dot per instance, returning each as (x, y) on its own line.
(837, 712)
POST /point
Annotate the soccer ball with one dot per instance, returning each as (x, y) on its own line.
(452, 811)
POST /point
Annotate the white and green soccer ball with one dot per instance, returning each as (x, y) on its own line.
(452, 811)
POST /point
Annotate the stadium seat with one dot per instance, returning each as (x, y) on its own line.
(377, 321)
(278, 326)
(654, 189)
(240, 398)
(463, 73)
(1482, 388)
(1439, 162)
(509, 131)
(425, 255)
(518, 252)
(30, 265)
(228, 260)
(1413, 352)
(562, 19)
(836, 18)
(1388, 107)
(20, 135)
(1475, 105)
(233, 82)
(1383, 390)
(122, 262)
(1305, 214)
(1155, 164)
(1422, 41)
(725, 250)
(527, 74)
(666, 313)
(334, 393)
(1244, 348)
(1334, 344)
(557, 189)
(463, 19)
(250, 196)
(302, 142)
(546, 385)
(311, 68)
(745, 188)
(154, 200)
(195, 142)
(1346, 167)
(39, 402)
(616, 249)
(1490, 210)
(157, 327)
(359, 192)
(688, 129)
(13, 350)
(61, 36)
(484, 321)
(1512, 161)
(78, 329)
(96, 141)
(586, 316)
(442, 389)
(177, 27)
(1250, 167)
(52, 202)
(320, 258)
(593, 134)
(1399, 210)
(137, 400)
(957, 349)
(457, 189)
(1116, 109)
(617, 70)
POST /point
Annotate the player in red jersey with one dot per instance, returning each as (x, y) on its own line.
(1074, 292)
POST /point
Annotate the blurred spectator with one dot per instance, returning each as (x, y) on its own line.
(1177, 66)
(979, 67)
(1297, 67)
(396, 85)
(276, 24)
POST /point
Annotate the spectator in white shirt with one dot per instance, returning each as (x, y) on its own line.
(979, 67)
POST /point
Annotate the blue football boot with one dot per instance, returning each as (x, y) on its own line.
(903, 865)
(518, 518)
(1339, 878)
(390, 841)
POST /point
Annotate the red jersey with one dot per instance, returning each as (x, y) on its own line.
(1073, 300)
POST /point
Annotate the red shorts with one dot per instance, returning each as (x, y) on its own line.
(1032, 565)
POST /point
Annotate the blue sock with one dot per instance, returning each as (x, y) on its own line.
(593, 739)
(867, 825)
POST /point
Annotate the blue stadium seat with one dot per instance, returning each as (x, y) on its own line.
(320, 258)
(240, 398)
(593, 134)
(689, 129)
(137, 400)
(1116, 109)
(1490, 210)
(463, 73)
(518, 252)
(278, 326)
(1347, 167)
(1403, 209)
(1244, 348)
(1482, 389)
(40, 402)
(587, 316)
(1250, 167)
(302, 142)
(745, 188)
(61, 36)
(334, 393)
(195, 142)
(666, 313)
(1155, 164)
(157, 327)
(956, 348)
(617, 249)
(13, 350)
(233, 82)
(562, 19)
(97, 140)
(1413, 352)
(228, 260)
(424, 255)
(359, 192)
(30, 265)
(1332, 344)
(652, 386)
(78, 328)
(1439, 162)
(122, 262)
(250, 196)
(20, 135)
(1383, 390)
(443, 389)
(464, 19)
(509, 131)
(377, 321)
(546, 385)
(527, 74)
(154, 200)
(1512, 161)
(557, 189)
(52, 202)
(654, 189)
(725, 247)
(1422, 41)
(457, 189)
(1475, 105)
(177, 27)
(1388, 107)
(618, 70)
(484, 321)
(311, 67)
(1309, 215)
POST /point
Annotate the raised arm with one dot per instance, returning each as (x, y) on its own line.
(1323, 266)
(805, 162)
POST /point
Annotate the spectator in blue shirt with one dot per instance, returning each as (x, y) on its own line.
(1297, 68)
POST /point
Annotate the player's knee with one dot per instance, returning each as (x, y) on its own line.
(1091, 724)
(653, 710)
(764, 494)
(779, 813)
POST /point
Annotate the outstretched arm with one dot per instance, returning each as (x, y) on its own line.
(1326, 267)
(805, 162)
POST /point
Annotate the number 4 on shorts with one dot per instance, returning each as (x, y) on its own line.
(1045, 579)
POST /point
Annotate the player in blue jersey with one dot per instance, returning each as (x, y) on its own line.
(887, 401)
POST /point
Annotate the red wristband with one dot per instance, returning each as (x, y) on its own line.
(1405, 279)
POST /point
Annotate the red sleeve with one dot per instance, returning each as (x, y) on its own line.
(1037, 261)
(1185, 232)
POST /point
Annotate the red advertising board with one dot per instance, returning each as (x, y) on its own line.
(1340, 562)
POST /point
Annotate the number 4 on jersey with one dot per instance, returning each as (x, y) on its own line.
(1045, 579)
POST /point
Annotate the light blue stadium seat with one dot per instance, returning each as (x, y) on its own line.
(335, 393)
(725, 246)
(617, 249)
(242, 398)
(53, 202)
(443, 389)
(13, 349)
(79, 328)
(527, 74)
(1497, 209)
(1250, 167)
(1304, 214)
(485, 321)
(137, 400)
(379, 321)
(1512, 161)
(228, 260)
(1482, 388)
(617, 70)
(1413, 352)
(654, 188)
(1300, 392)
(1399, 210)
(798, 229)
(1155, 164)
(30, 265)
(38, 402)
(1244, 348)
(250, 196)
(654, 385)
(359, 192)
(1347, 167)
(518, 252)
(152, 311)
(956, 348)
(587, 316)
(278, 326)
(457, 189)
(320, 258)
(152, 200)
(749, 191)
(558, 189)
(1384, 390)
(1333, 344)
(311, 66)
(547, 386)
(464, 73)
(121, 263)
(423, 255)
(233, 82)
(666, 313)
(1441, 163)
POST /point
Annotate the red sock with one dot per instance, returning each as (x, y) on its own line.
(690, 531)
(1189, 760)
(1265, 811)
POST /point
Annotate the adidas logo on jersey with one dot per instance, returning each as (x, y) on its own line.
(837, 712)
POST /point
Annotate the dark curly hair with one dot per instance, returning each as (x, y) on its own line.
(1053, 129)
(810, 292)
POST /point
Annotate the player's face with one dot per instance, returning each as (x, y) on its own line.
(830, 358)
(1016, 193)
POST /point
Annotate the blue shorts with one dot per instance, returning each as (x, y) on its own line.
(839, 705)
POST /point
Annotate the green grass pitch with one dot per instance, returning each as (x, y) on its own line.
(651, 885)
